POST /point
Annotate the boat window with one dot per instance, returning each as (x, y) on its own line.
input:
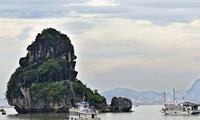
(195, 107)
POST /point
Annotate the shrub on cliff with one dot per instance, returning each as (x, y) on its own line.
(93, 98)
(53, 90)
(13, 89)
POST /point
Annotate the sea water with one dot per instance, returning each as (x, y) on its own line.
(145, 112)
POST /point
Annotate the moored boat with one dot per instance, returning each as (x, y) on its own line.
(182, 108)
(3, 112)
(82, 111)
(136, 105)
(1, 109)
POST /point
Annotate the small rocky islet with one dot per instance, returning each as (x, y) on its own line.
(46, 79)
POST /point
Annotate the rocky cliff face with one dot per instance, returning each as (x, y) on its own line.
(121, 104)
(50, 44)
(46, 78)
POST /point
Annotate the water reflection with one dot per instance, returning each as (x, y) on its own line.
(37, 117)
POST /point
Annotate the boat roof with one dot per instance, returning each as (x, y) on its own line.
(190, 104)
(84, 103)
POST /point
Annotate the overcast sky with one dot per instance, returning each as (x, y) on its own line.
(137, 44)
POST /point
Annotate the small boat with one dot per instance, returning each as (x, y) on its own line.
(1, 109)
(182, 108)
(136, 105)
(3, 112)
(82, 111)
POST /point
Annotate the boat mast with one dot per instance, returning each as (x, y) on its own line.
(165, 98)
(173, 96)
(84, 93)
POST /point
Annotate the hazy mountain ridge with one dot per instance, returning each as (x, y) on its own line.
(153, 97)
(193, 94)
(138, 97)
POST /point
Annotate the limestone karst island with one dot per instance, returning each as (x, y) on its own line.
(46, 79)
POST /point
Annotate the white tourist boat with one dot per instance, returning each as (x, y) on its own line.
(82, 111)
(182, 108)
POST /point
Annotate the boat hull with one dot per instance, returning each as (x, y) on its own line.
(93, 119)
(175, 112)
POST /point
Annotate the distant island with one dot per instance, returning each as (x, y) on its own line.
(46, 79)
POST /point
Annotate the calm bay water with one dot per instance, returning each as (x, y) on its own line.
(140, 113)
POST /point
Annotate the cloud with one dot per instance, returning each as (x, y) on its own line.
(101, 3)
(156, 11)
(36, 9)
(24, 34)
(138, 44)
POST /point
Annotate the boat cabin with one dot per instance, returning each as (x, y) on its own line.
(82, 111)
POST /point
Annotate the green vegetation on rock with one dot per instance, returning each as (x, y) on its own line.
(81, 90)
(13, 89)
(54, 90)
(50, 66)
